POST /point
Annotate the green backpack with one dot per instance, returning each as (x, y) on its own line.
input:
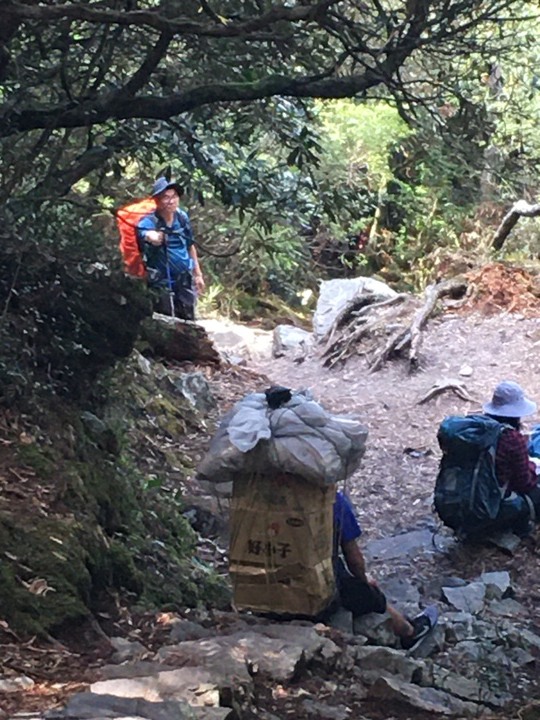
(468, 496)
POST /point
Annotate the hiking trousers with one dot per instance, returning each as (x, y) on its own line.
(183, 298)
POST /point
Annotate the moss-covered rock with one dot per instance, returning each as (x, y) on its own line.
(101, 507)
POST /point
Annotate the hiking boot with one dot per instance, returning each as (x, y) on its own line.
(423, 624)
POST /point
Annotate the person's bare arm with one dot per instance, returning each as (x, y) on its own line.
(354, 559)
(197, 273)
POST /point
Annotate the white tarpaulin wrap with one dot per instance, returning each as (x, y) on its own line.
(299, 438)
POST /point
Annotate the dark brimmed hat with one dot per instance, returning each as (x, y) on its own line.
(509, 401)
(163, 184)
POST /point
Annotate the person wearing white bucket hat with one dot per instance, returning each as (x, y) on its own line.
(509, 401)
(513, 467)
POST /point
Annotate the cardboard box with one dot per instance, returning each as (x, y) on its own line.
(280, 557)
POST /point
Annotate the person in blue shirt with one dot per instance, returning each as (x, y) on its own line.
(169, 253)
(357, 592)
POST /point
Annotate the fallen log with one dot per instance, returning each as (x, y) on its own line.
(179, 340)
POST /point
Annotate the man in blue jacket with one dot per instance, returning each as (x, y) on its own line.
(170, 256)
(359, 594)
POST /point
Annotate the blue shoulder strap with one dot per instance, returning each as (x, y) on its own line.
(181, 215)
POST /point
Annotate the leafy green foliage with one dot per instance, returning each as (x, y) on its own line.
(65, 316)
(96, 104)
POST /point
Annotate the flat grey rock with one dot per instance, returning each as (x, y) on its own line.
(469, 598)
(324, 711)
(507, 608)
(521, 657)
(195, 388)
(487, 630)
(194, 685)
(524, 638)
(88, 705)
(387, 660)
(498, 584)
(468, 688)
(188, 630)
(404, 545)
(127, 650)
(402, 593)
(423, 698)
(469, 650)
(377, 628)
(458, 626)
(280, 651)
(15, 684)
(289, 338)
(131, 670)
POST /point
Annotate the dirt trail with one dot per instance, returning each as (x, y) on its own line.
(393, 488)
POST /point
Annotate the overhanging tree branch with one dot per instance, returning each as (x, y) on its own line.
(141, 76)
(220, 27)
(61, 181)
(417, 25)
(119, 107)
(519, 209)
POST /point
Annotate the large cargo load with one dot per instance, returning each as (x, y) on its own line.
(284, 454)
(281, 545)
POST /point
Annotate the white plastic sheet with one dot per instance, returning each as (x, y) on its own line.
(300, 437)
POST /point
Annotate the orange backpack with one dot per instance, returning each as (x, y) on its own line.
(127, 219)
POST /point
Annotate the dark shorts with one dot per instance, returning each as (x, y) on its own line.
(355, 595)
(360, 597)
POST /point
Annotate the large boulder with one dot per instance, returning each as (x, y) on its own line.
(289, 338)
(336, 295)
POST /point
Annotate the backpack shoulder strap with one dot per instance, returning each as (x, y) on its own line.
(182, 217)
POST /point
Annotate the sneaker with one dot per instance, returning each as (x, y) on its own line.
(423, 624)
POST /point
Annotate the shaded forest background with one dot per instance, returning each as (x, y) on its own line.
(314, 140)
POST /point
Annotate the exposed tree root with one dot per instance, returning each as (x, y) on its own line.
(389, 320)
(353, 324)
(442, 386)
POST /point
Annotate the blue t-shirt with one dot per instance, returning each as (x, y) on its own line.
(346, 526)
(179, 238)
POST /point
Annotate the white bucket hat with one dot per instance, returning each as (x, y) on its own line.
(509, 401)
